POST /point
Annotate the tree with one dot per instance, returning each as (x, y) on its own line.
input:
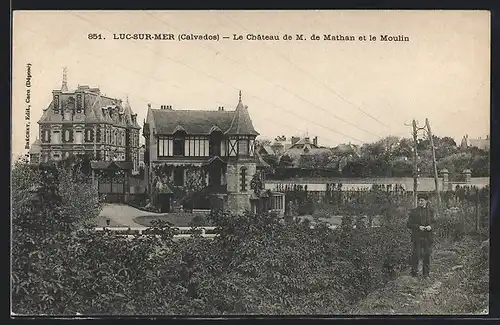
(47, 205)
(260, 142)
(319, 160)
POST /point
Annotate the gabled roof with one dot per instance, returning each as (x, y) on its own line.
(268, 150)
(193, 122)
(261, 163)
(203, 122)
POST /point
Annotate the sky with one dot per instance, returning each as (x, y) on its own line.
(340, 91)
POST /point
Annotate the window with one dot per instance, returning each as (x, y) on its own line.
(223, 148)
(179, 147)
(243, 147)
(67, 135)
(179, 177)
(56, 102)
(277, 202)
(165, 147)
(79, 102)
(45, 136)
(88, 135)
(56, 137)
(243, 178)
(78, 137)
(196, 147)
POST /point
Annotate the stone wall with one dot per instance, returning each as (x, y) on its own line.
(233, 176)
(238, 201)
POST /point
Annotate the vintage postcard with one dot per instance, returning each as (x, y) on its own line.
(212, 163)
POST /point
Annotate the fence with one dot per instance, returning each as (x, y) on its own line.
(179, 232)
(469, 205)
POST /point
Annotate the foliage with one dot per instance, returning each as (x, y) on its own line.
(256, 265)
(256, 182)
(320, 160)
(393, 157)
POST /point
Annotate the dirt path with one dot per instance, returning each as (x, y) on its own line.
(449, 289)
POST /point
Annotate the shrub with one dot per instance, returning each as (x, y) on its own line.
(257, 264)
(449, 228)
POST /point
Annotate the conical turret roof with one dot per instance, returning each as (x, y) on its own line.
(241, 123)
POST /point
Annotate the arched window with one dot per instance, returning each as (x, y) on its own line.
(243, 179)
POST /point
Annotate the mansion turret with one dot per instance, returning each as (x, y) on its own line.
(83, 121)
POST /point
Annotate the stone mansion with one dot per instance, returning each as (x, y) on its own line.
(83, 121)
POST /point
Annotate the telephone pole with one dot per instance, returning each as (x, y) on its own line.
(434, 163)
(415, 164)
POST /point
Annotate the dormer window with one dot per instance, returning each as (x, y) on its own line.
(79, 104)
(56, 102)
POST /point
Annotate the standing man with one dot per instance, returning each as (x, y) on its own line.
(421, 222)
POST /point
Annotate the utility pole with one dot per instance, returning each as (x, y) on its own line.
(434, 163)
(415, 165)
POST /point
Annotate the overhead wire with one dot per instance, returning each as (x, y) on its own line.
(225, 83)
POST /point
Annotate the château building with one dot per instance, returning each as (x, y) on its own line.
(214, 149)
(84, 121)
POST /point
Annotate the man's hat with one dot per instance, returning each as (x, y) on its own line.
(423, 196)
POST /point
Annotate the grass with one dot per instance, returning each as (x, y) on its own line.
(458, 285)
(177, 219)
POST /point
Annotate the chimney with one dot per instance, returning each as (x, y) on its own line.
(467, 175)
(149, 105)
(315, 141)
